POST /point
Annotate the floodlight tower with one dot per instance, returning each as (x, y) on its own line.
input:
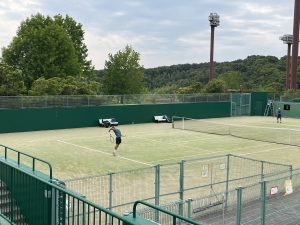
(288, 39)
(295, 47)
(214, 21)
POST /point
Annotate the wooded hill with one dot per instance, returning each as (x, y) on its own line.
(265, 73)
(255, 73)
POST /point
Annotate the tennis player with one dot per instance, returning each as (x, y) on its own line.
(278, 115)
(118, 138)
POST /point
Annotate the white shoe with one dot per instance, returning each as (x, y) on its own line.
(114, 153)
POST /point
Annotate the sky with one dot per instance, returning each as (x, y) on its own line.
(164, 32)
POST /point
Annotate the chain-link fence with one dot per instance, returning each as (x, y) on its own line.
(195, 188)
(94, 100)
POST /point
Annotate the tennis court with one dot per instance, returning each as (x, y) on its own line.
(81, 157)
(88, 151)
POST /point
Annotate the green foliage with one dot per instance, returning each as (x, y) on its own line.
(169, 89)
(64, 86)
(194, 88)
(46, 47)
(232, 79)
(76, 33)
(123, 73)
(215, 86)
(253, 73)
(11, 83)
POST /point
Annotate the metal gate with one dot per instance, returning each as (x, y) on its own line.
(241, 104)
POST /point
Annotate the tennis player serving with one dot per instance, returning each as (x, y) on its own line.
(118, 138)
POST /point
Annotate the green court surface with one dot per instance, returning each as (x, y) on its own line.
(88, 151)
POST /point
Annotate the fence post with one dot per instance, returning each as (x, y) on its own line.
(227, 180)
(110, 188)
(262, 170)
(157, 190)
(11, 194)
(291, 171)
(181, 188)
(189, 203)
(239, 205)
(263, 202)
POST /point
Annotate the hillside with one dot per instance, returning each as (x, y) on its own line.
(263, 73)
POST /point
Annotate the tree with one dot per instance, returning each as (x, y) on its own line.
(215, 86)
(194, 88)
(64, 86)
(11, 83)
(232, 79)
(76, 33)
(42, 86)
(46, 47)
(123, 73)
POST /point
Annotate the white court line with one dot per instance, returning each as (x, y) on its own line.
(95, 150)
(269, 150)
(209, 153)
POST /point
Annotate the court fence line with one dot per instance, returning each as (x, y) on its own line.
(192, 188)
(11, 102)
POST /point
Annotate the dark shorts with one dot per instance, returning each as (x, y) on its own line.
(118, 140)
(279, 116)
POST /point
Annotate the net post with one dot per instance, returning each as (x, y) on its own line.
(173, 122)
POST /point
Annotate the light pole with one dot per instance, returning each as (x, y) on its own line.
(214, 21)
(295, 47)
(288, 39)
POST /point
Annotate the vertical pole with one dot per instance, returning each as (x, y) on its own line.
(227, 181)
(263, 203)
(295, 47)
(288, 66)
(211, 67)
(239, 205)
(181, 187)
(262, 170)
(291, 171)
(189, 202)
(83, 213)
(157, 190)
(230, 104)
(11, 194)
(110, 188)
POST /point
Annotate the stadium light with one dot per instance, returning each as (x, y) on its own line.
(288, 39)
(214, 20)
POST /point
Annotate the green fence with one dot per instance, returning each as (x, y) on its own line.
(74, 113)
(16, 120)
(293, 111)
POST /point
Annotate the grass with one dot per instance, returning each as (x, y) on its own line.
(88, 151)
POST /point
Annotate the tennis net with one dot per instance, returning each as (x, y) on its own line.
(266, 134)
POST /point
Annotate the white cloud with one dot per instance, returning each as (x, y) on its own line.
(164, 32)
